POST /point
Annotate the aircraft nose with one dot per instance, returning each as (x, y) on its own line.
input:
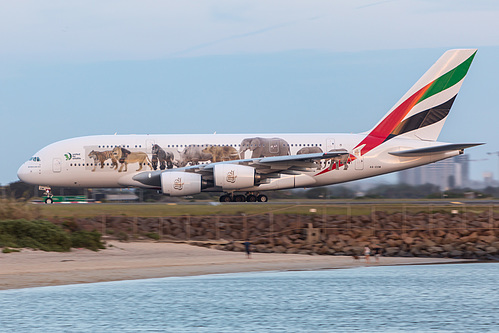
(26, 174)
(22, 172)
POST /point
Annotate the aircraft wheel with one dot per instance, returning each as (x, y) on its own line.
(225, 198)
(262, 198)
(49, 201)
(251, 198)
(239, 198)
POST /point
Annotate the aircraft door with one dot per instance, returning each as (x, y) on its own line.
(274, 146)
(56, 165)
(359, 163)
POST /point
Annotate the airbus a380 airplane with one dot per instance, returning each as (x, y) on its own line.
(244, 166)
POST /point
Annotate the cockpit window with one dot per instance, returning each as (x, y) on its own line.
(35, 159)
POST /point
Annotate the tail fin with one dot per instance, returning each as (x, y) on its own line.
(421, 112)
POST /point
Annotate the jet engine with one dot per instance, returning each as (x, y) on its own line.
(233, 176)
(180, 183)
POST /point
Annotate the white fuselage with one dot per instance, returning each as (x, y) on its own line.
(67, 163)
(404, 138)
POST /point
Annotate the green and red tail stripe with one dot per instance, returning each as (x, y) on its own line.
(400, 120)
(393, 124)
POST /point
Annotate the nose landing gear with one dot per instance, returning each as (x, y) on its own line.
(48, 194)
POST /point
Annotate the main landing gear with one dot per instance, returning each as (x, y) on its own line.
(249, 197)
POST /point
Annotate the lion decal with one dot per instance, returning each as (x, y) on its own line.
(125, 156)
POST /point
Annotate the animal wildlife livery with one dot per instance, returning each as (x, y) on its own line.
(243, 167)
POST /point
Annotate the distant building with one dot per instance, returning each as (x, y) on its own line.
(488, 178)
(450, 173)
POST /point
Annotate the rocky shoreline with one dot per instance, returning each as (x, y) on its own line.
(435, 235)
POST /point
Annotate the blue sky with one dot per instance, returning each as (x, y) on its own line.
(100, 67)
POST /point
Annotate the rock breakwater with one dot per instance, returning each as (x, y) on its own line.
(465, 235)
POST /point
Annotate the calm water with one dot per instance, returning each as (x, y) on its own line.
(439, 298)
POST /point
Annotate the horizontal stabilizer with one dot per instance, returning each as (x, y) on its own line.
(434, 149)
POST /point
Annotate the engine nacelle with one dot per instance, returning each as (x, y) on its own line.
(180, 183)
(233, 176)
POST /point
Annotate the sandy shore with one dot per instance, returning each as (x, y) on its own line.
(137, 260)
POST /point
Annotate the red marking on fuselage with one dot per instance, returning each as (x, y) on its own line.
(351, 158)
(379, 134)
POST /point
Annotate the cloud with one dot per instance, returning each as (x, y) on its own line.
(242, 35)
(377, 3)
(85, 31)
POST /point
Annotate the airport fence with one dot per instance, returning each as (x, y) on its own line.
(370, 220)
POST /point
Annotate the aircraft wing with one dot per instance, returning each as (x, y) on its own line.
(304, 157)
(434, 149)
(267, 167)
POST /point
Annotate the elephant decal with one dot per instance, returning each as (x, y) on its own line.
(264, 147)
